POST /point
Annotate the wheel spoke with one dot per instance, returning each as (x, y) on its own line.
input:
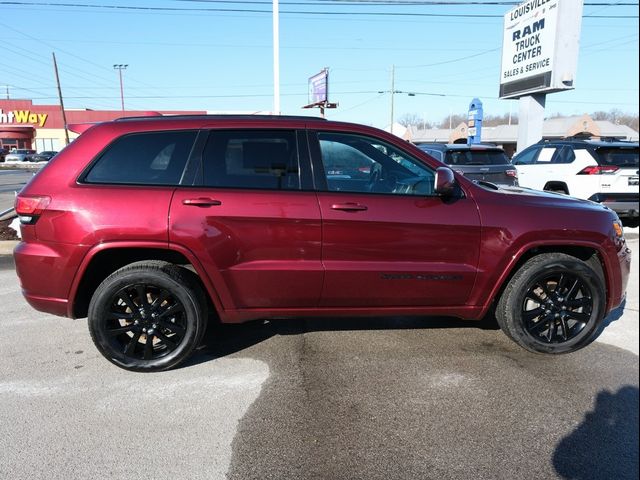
(543, 322)
(166, 340)
(131, 346)
(565, 329)
(573, 291)
(124, 329)
(561, 284)
(124, 296)
(148, 348)
(159, 300)
(529, 315)
(175, 308)
(579, 302)
(174, 327)
(579, 316)
(553, 330)
(120, 316)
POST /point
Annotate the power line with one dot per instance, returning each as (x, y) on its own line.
(253, 10)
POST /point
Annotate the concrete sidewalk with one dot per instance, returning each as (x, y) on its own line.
(7, 246)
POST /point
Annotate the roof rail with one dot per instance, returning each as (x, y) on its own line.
(219, 117)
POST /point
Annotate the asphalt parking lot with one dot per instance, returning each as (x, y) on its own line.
(381, 398)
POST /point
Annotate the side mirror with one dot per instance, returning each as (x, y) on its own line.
(445, 181)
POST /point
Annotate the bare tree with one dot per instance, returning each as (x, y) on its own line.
(413, 120)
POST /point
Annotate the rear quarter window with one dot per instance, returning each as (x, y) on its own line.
(471, 157)
(150, 158)
(620, 157)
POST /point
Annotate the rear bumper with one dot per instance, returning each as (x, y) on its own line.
(46, 272)
(624, 204)
(623, 209)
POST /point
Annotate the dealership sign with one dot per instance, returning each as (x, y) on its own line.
(23, 117)
(540, 47)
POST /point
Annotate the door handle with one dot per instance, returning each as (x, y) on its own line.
(201, 202)
(348, 207)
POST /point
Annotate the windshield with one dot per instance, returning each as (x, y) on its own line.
(620, 157)
(476, 157)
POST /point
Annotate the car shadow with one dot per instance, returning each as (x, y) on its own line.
(221, 340)
(605, 444)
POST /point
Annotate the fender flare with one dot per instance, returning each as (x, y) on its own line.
(96, 249)
(509, 270)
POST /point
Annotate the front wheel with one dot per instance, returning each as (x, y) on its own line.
(553, 304)
(147, 316)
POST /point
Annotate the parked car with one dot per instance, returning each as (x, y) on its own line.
(477, 162)
(19, 155)
(41, 157)
(601, 171)
(149, 227)
(3, 153)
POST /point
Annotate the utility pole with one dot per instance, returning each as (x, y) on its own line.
(7, 91)
(393, 90)
(276, 58)
(121, 67)
(64, 115)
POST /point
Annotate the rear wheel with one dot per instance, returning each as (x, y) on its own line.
(553, 304)
(147, 316)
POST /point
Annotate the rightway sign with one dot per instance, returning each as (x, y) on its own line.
(540, 47)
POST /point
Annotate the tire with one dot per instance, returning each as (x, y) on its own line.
(554, 304)
(147, 316)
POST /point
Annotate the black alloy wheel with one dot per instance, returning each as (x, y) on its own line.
(554, 303)
(557, 307)
(148, 316)
(145, 322)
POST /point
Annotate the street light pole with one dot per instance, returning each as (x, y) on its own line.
(121, 67)
(276, 57)
(393, 90)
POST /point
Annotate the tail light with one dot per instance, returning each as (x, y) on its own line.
(599, 170)
(29, 208)
(511, 173)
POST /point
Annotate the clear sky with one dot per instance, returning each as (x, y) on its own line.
(192, 56)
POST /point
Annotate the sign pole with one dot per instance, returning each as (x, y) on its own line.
(530, 120)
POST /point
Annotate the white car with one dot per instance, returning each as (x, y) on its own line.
(602, 171)
(19, 155)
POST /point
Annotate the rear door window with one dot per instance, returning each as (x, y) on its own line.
(564, 155)
(150, 158)
(257, 159)
(546, 154)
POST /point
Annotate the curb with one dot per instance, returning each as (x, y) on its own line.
(7, 246)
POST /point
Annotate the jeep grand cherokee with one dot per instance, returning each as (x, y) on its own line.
(148, 225)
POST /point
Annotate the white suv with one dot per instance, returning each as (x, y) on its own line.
(602, 171)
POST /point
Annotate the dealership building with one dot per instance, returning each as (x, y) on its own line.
(24, 124)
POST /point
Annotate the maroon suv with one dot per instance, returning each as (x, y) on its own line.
(149, 225)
